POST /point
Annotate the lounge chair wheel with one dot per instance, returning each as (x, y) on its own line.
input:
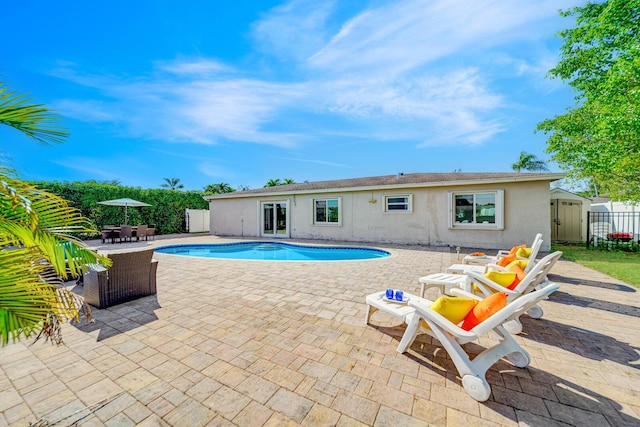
(535, 312)
(477, 387)
(520, 360)
(513, 326)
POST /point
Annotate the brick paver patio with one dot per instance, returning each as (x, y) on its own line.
(258, 343)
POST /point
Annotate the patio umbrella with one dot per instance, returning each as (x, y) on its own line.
(126, 202)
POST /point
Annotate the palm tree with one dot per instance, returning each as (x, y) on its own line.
(220, 188)
(529, 162)
(36, 234)
(276, 182)
(273, 183)
(172, 183)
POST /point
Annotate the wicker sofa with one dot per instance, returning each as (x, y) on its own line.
(132, 275)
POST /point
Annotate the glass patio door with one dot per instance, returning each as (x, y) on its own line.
(274, 219)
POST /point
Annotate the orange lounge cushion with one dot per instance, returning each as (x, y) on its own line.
(484, 309)
(515, 249)
(506, 260)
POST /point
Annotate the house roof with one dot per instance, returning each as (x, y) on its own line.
(410, 180)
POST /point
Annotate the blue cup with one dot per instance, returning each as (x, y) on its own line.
(399, 295)
(389, 293)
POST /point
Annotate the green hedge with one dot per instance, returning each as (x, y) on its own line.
(167, 210)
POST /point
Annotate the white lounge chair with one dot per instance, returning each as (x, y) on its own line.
(452, 337)
(534, 279)
(463, 268)
(501, 253)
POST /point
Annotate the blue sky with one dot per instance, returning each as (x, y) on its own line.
(243, 92)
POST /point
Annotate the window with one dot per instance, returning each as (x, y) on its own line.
(482, 209)
(327, 211)
(398, 203)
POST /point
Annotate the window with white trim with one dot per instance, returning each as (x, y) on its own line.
(398, 203)
(476, 209)
(327, 211)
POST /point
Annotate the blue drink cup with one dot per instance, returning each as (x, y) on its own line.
(389, 293)
(399, 295)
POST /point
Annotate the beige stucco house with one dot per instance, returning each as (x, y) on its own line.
(477, 210)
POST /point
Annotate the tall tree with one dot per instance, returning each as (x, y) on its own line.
(529, 162)
(599, 138)
(36, 234)
(220, 188)
(172, 184)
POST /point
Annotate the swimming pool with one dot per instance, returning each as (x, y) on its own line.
(275, 251)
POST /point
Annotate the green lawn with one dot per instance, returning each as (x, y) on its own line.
(619, 264)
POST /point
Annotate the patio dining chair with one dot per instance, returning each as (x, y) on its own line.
(132, 275)
(151, 232)
(126, 232)
(141, 231)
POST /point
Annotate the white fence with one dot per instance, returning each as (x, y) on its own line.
(197, 220)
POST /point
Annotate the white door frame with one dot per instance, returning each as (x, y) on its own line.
(278, 232)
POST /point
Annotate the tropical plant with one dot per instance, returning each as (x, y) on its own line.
(37, 246)
(220, 188)
(275, 182)
(172, 184)
(599, 138)
(529, 162)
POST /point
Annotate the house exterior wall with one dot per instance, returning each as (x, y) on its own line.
(526, 213)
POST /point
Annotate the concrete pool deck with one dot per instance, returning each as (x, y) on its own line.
(259, 343)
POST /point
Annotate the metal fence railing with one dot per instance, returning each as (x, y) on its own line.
(613, 230)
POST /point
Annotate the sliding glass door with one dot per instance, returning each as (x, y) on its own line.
(274, 219)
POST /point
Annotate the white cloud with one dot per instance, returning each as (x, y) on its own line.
(91, 111)
(293, 30)
(189, 67)
(216, 171)
(409, 69)
(402, 36)
(317, 162)
(88, 165)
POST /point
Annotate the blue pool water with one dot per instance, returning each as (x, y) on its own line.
(273, 251)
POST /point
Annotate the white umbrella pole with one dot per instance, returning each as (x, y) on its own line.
(125, 215)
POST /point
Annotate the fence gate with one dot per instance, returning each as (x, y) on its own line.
(197, 220)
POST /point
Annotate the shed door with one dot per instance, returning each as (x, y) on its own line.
(566, 221)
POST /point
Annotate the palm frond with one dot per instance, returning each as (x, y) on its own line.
(34, 120)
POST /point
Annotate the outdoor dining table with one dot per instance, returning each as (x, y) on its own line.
(114, 232)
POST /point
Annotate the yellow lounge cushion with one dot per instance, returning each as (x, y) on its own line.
(454, 309)
(522, 263)
(523, 252)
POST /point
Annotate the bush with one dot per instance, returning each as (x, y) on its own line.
(167, 210)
